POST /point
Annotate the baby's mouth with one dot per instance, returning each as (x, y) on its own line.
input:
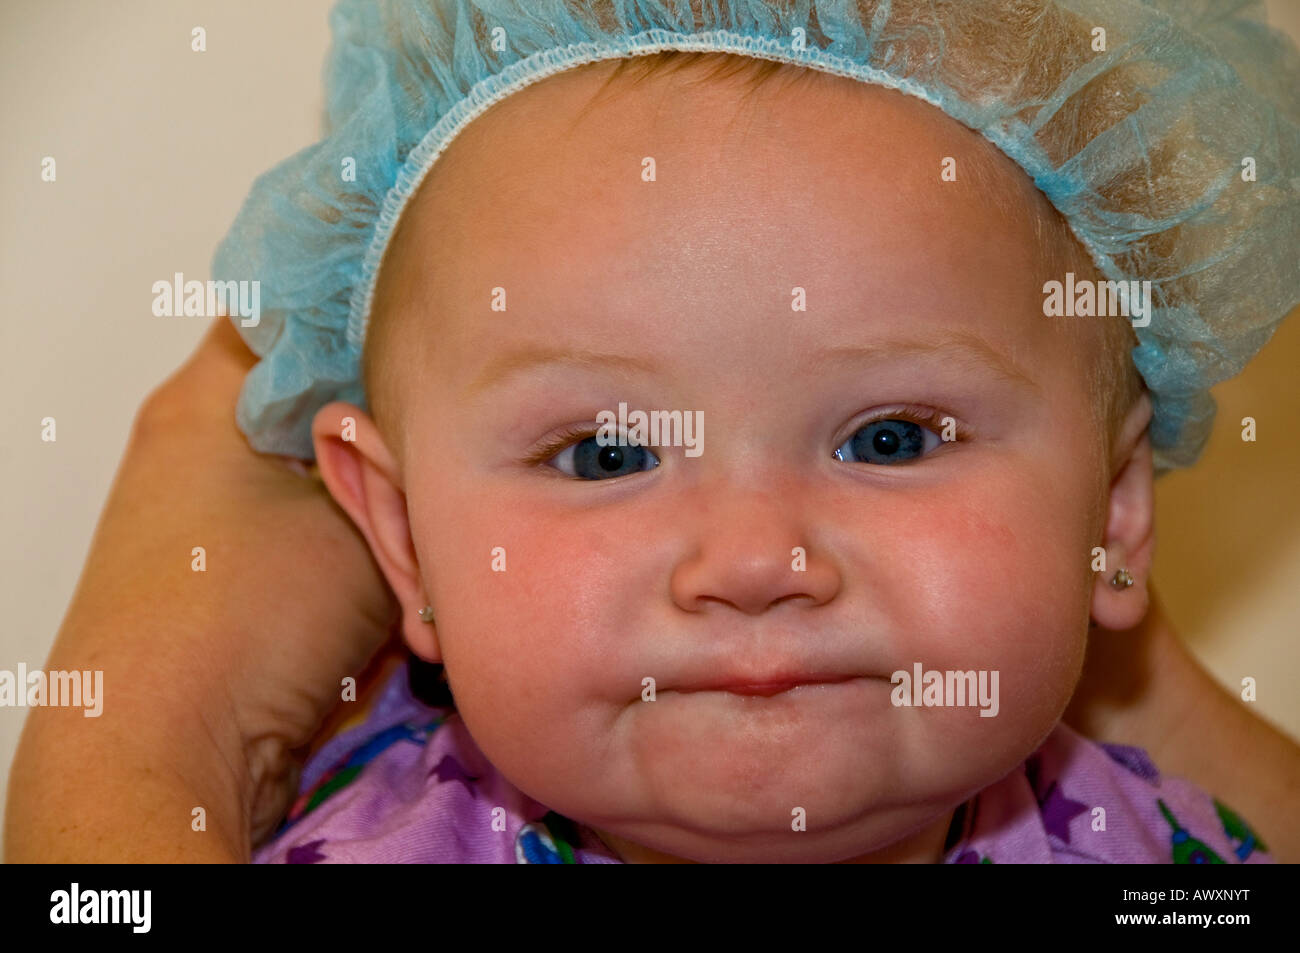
(765, 687)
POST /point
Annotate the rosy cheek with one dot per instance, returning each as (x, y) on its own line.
(994, 575)
(997, 596)
(520, 628)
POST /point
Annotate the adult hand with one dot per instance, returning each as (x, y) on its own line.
(211, 678)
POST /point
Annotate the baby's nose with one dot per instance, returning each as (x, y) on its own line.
(751, 552)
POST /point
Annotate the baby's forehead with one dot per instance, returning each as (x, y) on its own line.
(589, 202)
(584, 150)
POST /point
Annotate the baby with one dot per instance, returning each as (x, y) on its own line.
(840, 623)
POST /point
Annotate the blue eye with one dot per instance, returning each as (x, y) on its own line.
(588, 460)
(888, 441)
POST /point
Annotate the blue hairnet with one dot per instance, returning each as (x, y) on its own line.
(1140, 146)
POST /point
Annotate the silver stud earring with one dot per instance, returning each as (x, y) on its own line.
(1122, 580)
(426, 614)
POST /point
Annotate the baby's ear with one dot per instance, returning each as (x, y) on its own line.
(365, 480)
(1130, 527)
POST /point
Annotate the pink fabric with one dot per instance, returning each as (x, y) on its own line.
(1049, 811)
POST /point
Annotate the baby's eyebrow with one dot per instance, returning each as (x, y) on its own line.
(521, 359)
(957, 344)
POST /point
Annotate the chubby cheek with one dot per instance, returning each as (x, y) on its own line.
(1002, 566)
(530, 625)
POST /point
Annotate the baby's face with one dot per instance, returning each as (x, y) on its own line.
(675, 292)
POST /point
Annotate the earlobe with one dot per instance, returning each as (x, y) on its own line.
(421, 636)
(365, 480)
(1120, 598)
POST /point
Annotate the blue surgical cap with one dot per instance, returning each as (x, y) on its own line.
(1166, 132)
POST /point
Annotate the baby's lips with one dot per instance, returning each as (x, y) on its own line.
(762, 684)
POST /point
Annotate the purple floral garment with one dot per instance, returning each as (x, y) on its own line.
(409, 785)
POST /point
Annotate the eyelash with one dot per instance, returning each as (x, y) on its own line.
(923, 416)
(557, 442)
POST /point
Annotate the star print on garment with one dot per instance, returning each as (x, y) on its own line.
(449, 769)
(1135, 759)
(1058, 810)
(308, 853)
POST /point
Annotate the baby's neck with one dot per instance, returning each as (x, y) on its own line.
(923, 847)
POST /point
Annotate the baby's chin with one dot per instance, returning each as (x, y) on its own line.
(817, 775)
